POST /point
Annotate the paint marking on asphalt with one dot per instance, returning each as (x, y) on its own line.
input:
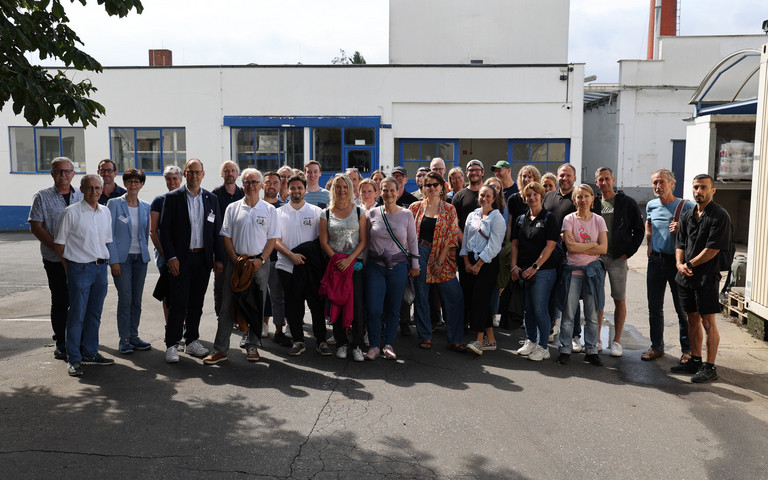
(25, 319)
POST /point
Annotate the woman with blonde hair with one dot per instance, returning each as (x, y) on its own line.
(343, 229)
(586, 237)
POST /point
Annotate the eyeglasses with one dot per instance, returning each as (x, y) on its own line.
(472, 170)
(132, 182)
(194, 172)
(431, 185)
(247, 183)
(62, 171)
(94, 188)
(106, 170)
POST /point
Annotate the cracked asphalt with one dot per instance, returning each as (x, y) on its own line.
(430, 414)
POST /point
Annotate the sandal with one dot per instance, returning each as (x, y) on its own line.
(652, 354)
(426, 344)
(457, 347)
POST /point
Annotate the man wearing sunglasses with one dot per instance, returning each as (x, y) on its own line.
(47, 205)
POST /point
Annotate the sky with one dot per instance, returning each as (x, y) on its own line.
(238, 32)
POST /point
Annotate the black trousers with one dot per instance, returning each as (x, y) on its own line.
(296, 291)
(57, 283)
(478, 293)
(187, 295)
(358, 320)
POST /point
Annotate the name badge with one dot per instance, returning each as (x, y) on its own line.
(123, 218)
(211, 217)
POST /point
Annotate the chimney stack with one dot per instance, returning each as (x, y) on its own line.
(160, 58)
(662, 22)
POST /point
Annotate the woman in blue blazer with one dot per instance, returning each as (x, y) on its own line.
(128, 258)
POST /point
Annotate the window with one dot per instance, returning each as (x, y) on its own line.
(148, 149)
(267, 148)
(545, 155)
(33, 148)
(419, 153)
(328, 148)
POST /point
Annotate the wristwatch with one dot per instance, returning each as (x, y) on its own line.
(260, 258)
(535, 266)
(688, 264)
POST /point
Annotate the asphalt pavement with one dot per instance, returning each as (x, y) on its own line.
(430, 414)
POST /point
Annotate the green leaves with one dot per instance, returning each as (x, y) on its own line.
(41, 27)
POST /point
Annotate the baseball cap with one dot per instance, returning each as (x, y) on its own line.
(399, 170)
(475, 162)
(501, 164)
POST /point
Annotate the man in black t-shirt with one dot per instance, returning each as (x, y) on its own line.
(704, 232)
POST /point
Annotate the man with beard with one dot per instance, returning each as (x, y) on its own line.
(704, 232)
(272, 185)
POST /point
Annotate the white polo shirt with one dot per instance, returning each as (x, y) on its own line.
(250, 228)
(84, 232)
(296, 227)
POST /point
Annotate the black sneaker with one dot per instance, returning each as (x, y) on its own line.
(60, 353)
(687, 366)
(74, 369)
(280, 339)
(705, 374)
(564, 358)
(594, 359)
(96, 359)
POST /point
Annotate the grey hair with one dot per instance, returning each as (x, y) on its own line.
(91, 176)
(173, 170)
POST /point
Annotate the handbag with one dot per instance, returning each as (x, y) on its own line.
(409, 295)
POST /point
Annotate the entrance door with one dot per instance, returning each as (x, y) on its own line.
(678, 165)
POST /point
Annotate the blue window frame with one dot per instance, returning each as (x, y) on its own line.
(147, 148)
(544, 154)
(267, 148)
(419, 152)
(34, 148)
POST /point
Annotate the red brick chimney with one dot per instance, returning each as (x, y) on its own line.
(661, 23)
(160, 58)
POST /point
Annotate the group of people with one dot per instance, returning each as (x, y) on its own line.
(361, 252)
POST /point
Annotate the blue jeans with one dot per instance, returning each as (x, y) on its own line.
(577, 289)
(130, 286)
(537, 306)
(661, 272)
(87, 285)
(450, 294)
(384, 289)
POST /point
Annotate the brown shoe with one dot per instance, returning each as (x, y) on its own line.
(253, 354)
(652, 354)
(214, 358)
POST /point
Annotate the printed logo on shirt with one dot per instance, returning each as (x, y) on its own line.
(538, 224)
(261, 221)
(307, 221)
(607, 210)
(584, 236)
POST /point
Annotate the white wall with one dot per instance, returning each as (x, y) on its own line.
(495, 31)
(419, 102)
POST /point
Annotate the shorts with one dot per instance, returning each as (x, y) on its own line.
(704, 300)
(617, 269)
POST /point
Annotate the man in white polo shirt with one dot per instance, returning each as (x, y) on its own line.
(82, 235)
(249, 228)
(298, 226)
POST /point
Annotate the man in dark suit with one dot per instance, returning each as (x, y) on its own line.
(189, 233)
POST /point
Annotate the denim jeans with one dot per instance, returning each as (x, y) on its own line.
(130, 286)
(577, 289)
(383, 292)
(537, 306)
(87, 285)
(451, 296)
(661, 272)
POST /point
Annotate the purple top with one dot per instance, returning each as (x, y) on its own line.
(404, 228)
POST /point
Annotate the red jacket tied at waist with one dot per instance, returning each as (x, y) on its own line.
(338, 287)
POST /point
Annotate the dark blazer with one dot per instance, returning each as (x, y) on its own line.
(175, 228)
(628, 225)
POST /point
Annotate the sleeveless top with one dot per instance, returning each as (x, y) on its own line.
(343, 233)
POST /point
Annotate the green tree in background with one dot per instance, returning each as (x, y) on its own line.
(343, 59)
(41, 27)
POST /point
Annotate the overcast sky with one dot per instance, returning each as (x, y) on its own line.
(236, 32)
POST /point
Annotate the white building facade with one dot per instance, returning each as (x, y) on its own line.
(509, 94)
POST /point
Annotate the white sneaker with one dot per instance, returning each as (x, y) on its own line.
(331, 340)
(599, 346)
(365, 340)
(539, 353)
(527, 348)
(553, 335)
(577, 345)
(357, 355)
(172, 355)
(616, 349)
(265, 331)
(341, 352)
(496, 320)
(196, 349)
